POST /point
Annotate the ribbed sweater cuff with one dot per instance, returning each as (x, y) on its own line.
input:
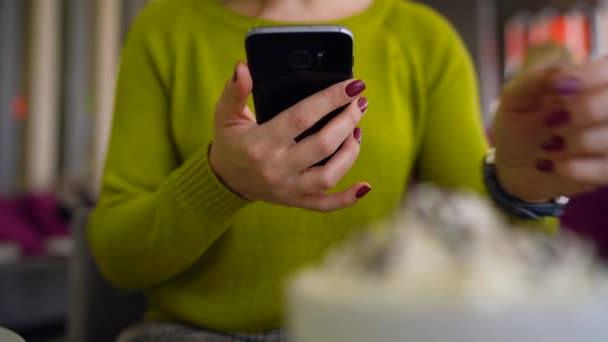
(197, 187)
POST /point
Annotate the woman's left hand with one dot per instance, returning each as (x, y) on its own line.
(551, 132)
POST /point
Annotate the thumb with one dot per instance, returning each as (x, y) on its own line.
(233, 102)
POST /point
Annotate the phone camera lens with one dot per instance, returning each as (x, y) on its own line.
(299, 59)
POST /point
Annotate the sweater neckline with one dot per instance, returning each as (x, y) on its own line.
(374, 14)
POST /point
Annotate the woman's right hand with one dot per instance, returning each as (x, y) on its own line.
(264, 162)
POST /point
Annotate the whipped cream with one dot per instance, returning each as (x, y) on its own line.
(449, 249)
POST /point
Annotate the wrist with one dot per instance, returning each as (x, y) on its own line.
(215, 164)
(511, 181)
(510, 187)
(517, 206)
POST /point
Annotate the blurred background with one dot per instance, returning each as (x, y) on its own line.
(58, 64)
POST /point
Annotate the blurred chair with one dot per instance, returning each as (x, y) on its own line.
(97, 311)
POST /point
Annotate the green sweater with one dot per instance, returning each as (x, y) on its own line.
(165, 224)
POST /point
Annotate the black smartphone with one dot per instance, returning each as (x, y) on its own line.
(290, 63)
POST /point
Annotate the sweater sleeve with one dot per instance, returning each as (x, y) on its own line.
(156, 214)
(454, 142)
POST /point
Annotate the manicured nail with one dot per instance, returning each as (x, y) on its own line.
(363, 103)
(545, 166)
(235, 76)
(358, 133)
(554, 144)
(355, 88)
(568, 86)
(363, 191)
(557, 119)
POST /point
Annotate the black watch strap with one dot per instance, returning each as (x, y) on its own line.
(514, 206)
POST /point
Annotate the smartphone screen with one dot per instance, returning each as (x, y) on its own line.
(290, 63)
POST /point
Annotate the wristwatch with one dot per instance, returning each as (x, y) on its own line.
(514, 206)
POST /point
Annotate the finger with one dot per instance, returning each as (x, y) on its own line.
(233, 102)
(303, 115)
(573, 80)
(324, 143)
(585, 142)
(322, 178)
(587, 109)
(591, 171)
(335, 201)
(524, 93)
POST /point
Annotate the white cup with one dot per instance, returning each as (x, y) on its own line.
(9, 336)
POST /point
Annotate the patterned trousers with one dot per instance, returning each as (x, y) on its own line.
(165, 332)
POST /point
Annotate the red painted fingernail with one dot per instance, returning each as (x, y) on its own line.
(364, 190)
(554, 144)
(358, 133)
(355, 88)
(568, 86)
(235, 75)
(363, 103)
(545, 166)
(557, 119)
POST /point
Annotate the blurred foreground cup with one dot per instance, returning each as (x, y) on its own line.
(9, 336)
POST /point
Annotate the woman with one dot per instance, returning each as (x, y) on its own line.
(208, 212)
